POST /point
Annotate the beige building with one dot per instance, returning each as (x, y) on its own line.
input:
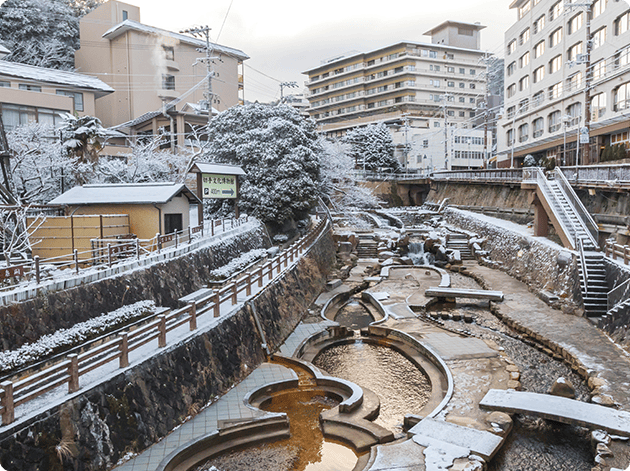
(546, 70)
(35, 94)
(150, 67)
(416, 88)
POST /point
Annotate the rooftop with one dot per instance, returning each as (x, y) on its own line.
(60, 77)
(130, 25)
(219, 169)
(446, 24)
(124, 193)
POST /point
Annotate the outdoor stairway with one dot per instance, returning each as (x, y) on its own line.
(460, 242)
(367, 247)
(596, 294)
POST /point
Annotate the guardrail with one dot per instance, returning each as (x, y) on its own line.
(379, 176)
(613, 251)
(617, 176)
(584, 216)
(70, 370)
(107, 252)
(508, 175)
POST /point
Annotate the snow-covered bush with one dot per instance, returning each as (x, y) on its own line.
(372, 148)
(67, 338)
(238, 264)
(279, 151)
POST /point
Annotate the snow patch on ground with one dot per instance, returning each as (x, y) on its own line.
(238, 264)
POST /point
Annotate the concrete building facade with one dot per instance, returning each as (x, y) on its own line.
(415, 88)
(547, 67)
(150, 67)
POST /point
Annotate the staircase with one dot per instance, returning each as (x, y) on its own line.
(367, 247)
(460, 242)
(593, 284)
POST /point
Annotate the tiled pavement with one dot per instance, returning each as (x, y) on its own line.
(231, 406)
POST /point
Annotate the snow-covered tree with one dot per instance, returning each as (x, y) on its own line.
(372, 148)
(529, 161)
(44, 33)
(83, 7)
(15, 228)
(339, 184)
(279, 151)
(83, 139)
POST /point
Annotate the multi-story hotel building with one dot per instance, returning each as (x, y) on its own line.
(409, 86)
(547, 67)
(149, 67)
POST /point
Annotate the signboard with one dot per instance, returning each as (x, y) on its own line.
(217, 186)
(584, 137)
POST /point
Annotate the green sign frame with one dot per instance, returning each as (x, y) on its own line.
(216, 186)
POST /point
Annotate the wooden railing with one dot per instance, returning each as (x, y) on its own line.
(70, 370)
(615, 250)
(110, 251)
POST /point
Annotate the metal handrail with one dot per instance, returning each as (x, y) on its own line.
(585, 218)
(501, 175)
(580, 245)
(613, 293)
(544, 186)
(617, 174)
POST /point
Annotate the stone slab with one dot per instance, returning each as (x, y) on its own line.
(484, 444)
(464, 293)
(401, 456)
(559, 409)
(332, 284)
(455, 347)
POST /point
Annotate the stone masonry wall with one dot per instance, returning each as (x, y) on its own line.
(542, 265)
(164, 283)
(144, 402)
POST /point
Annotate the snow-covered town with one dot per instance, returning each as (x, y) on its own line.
(244, 235)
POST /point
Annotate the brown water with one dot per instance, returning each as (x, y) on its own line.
(354, 316)
(306, 450)
(400, 385)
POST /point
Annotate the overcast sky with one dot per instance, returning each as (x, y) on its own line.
(286, 37)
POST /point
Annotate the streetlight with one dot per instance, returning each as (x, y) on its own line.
(565, 121)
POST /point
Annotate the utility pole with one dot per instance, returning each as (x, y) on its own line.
(284, 85)
(405, 117)
(445, 98)
(486, 112)
(204, 31)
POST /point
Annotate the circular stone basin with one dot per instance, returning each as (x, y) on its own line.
(354, 315)
(401, 386)
(306, 450)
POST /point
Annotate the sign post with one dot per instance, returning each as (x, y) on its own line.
(217, 181)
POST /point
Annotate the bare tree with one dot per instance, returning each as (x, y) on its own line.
(15, 231)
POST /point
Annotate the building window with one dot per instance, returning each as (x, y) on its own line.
(574, 113)
(555, 11)
(471, 100)
(554, 122)
(523, 9)
(575, 23)
(621, 23)
(621, 97)
(510, 137)
(77, 97)
(598, 106)
(473, 86)
(573, 51)
(511, 90)
(555, 64)
(173, 223)
(436, 124)
(539, 74)
(462, 99)
(523, 84)
(14, 115)
(523, 37)
(524, 60)
(29, 87)
(511, 47)
(598, 7)
(538, 98)
(473, 72)
(462, 85)
(622, 58)
(539, 49)
(462, 70)
(451, 113)
(599, 37)
(523, 132)
(451, 84)
(555, 91)
(462, 114)
(523, 105)
(511, 111)
(574, 82)
(511, 69)
(555, 37)
(599, 69)
(539, 24)
(169, 53)
(125, 15)
(168, 82)
(450, 70)
(538, 126)
(4, 84)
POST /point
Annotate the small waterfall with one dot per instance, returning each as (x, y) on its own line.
(418, 255)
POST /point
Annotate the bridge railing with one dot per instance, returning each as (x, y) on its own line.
(70, 370)
(381, 176)
(599, 175)
(507, 175)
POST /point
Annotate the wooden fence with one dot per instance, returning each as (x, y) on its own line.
(70, 370)
(615, 250)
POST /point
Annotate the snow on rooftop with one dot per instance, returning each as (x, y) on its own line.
(128, 193)
(222, 169)
(136, 26)
(61, 77)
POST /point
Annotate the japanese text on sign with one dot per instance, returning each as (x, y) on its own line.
(218, 186)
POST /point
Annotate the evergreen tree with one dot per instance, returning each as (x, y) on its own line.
(372, 148)
(279, 151)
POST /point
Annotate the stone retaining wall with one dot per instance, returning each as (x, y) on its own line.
(617, 324)
(163, 282)
(542, 265)
(143, 403)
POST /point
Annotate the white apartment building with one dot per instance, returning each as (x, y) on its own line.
(545, 80)
(420, 87)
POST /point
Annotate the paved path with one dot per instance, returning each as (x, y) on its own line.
(560, 409)
(229, 407)
(588, 347)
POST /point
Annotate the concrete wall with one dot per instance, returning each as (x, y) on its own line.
(143, 403)
(165, 283)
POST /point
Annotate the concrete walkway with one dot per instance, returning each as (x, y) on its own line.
(594, 355)
(230, 407)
